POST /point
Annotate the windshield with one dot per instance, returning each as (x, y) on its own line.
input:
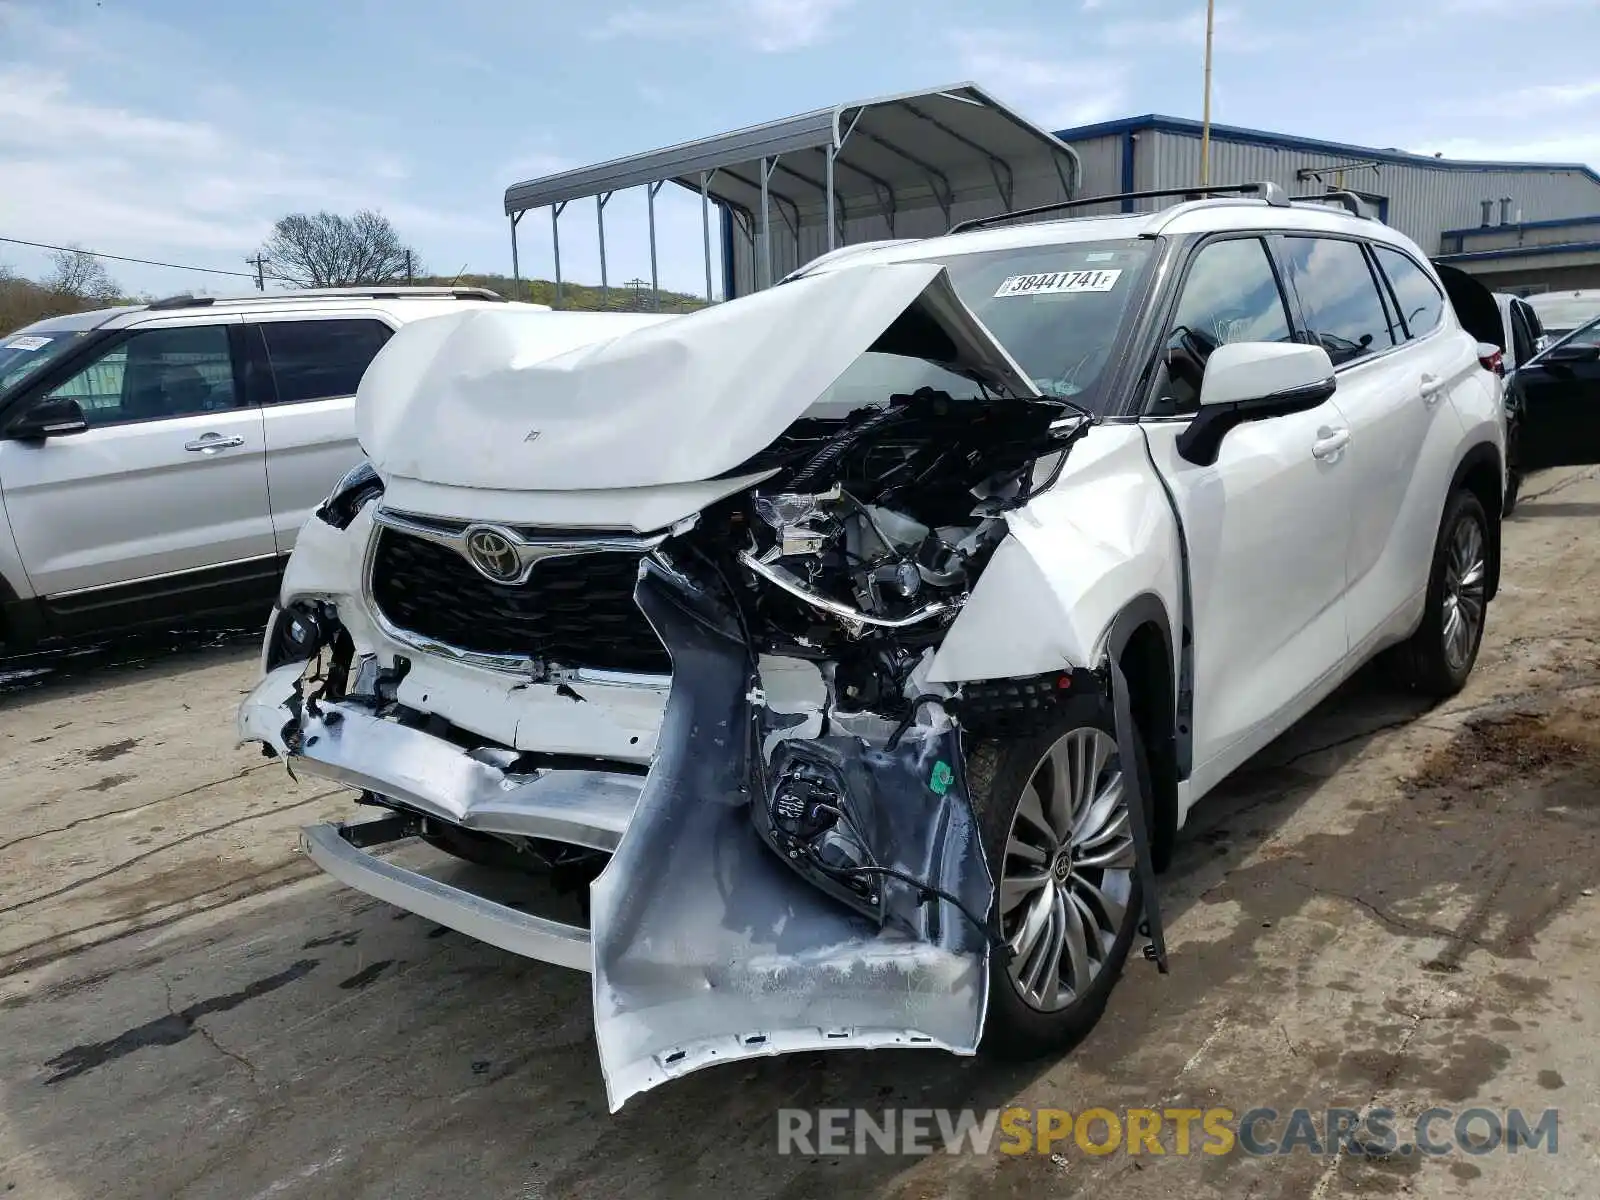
(1562, 312)
(1056, 309)
(24, 352)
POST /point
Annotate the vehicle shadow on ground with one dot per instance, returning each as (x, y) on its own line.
(29, 679)
(392, 1058)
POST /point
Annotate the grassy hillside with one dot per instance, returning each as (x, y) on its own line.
(574, 295)
(22, 302)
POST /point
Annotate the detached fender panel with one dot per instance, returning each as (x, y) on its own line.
(1075, 559)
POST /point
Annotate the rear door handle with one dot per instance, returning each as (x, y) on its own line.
(1330, 444)
(209, 443)
(1432, 388)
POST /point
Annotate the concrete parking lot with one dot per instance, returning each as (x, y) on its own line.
(1390, 907)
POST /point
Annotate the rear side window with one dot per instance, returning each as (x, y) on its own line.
(316, 360)
(1339, 297)
(1421, 303)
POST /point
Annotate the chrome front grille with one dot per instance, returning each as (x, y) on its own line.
(575, 607)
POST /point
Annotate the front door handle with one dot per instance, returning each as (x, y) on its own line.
(210, 443)
(1330, 443)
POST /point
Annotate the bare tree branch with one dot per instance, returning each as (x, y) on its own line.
(81, 276)
(329, 250)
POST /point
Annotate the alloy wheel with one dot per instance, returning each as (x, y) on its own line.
(1465, 577)
(1067, 874)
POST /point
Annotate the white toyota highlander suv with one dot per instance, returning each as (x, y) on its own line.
(157, 460)
(862, 643)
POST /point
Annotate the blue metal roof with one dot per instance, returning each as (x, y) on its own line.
(1518, 252)
(1554, 223)
(1282, 141)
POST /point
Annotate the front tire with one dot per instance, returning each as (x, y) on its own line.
(1053, 815)
(1513, 487)
(1439, 656)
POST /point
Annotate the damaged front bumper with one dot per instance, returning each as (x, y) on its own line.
(436, 781)
(705, 946)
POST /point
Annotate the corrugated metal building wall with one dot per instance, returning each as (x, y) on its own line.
(1420, 201)
(1419, 196)
(1422, 197)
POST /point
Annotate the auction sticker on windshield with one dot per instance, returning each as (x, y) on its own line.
(31, 342)
(1055, 282)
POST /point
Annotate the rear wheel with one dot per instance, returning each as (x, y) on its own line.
(1439, 656)
(1053, 812)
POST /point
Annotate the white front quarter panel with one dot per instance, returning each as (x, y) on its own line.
(1077, 556)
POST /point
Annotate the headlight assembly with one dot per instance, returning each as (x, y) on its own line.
(359, 485)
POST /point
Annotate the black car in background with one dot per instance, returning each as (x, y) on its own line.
(1553, 406)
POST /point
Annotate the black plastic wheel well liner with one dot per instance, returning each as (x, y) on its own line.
(1141, 641)
(1480, 473)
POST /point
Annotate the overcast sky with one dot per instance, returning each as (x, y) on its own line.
(179, 129)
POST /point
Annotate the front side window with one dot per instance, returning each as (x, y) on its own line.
(1421, 303)
(154, 374)
(1229, 295)
(318, 360)
(1340, 299)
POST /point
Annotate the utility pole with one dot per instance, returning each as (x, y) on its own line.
(635, 286)
(409, 278)
(259, 263)
(1205, 115)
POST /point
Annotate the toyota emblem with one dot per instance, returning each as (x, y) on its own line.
(494, 555)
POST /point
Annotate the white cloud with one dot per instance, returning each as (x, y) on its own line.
(1582, 147)
(768, 26)
(534, 164)
(774, 26)
(84, 169)
(1055, 92)
(1232, 32)
(1547, 96)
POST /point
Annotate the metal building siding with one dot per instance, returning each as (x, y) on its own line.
(1423, 202)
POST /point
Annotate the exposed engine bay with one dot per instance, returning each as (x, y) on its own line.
(853, 559)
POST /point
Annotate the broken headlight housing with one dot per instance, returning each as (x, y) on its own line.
(359, 485)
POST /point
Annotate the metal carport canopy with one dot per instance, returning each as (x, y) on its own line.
(886, 156)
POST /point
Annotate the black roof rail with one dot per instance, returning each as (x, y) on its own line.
(1266, 189)
(182, 301)
(1348, 200)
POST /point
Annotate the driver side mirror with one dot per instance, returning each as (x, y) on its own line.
(1254, 381)
(51, 417)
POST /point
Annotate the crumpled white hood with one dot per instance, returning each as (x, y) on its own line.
(490, 398)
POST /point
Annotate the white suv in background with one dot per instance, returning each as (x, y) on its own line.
(862, 643)
(156, 461)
